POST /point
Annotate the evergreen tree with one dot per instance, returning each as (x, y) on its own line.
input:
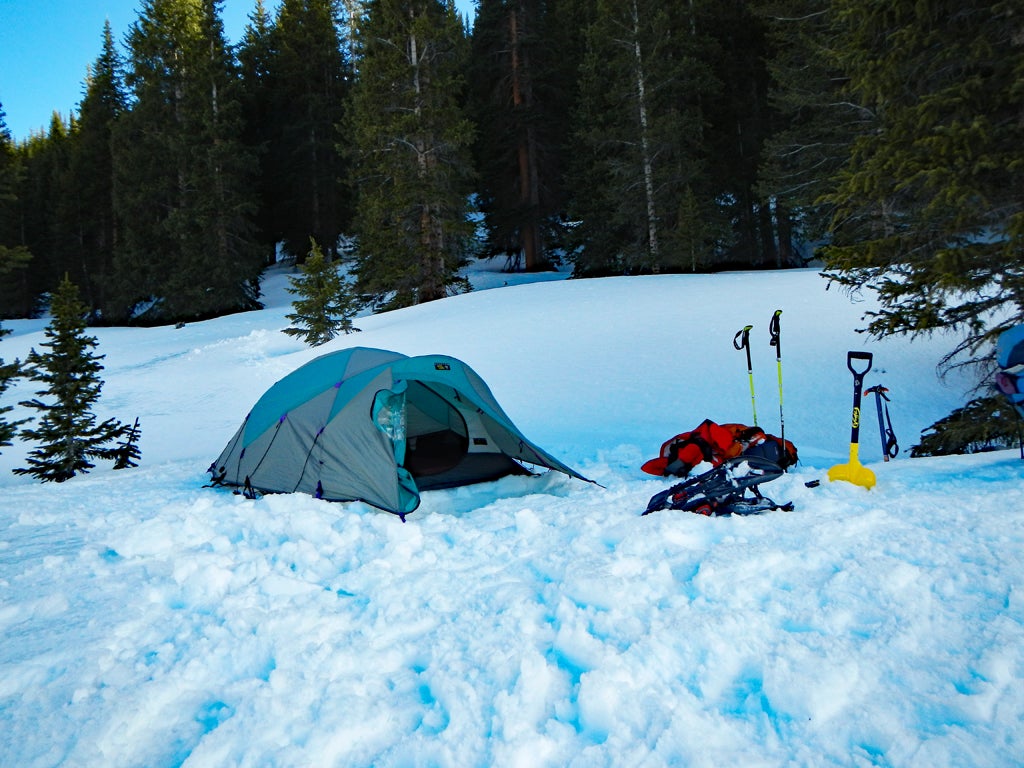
(930, 207)
(309, 81)
(516, 99)
(983, 424)
(182, 175)
(641, 161)
(149, 171)
(565, 25)
(216, 229)
(814, 124)
(47, 201)
(126, 455)
(15, 256)
(8, 373)
(68, 431)
(326, 302)
(255, 56)
(739, 120)
(66, 202)
(92, 176)
(64, 214)
(412, 142)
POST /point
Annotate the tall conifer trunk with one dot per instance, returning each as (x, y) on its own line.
(526, 151)
(411, 158)
(645, 146)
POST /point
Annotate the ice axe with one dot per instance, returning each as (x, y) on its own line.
(853, 471)
(890, 448)
(775, 330)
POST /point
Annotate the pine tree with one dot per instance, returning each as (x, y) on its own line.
(565, 25)
(814, 124)
(738, 121)
(183, 176)
(983, 424)
(149, 171)
(8, 373)
(308, 80)
(255, 55)
(15, 256)
(92, 175)
(67, 217)
(930, 207)
(220, 261)
(326, 302)
(67, 429)
(47, 200)
(126, 455)
(516, 102)
(411, 143)
(640, 157)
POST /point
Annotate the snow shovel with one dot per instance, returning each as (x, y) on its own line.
(853, 471)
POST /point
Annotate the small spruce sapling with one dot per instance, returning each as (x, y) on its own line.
(326, 301)
(68, 433)
(8, 373)
(127, 454)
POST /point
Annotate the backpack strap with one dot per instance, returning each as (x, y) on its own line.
(685, 454)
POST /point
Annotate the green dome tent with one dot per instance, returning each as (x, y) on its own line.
(376, 426)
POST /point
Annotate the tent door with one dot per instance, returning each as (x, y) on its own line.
(439, 452)
(436, 435)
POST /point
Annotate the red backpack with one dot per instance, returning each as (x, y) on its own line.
(714, 443)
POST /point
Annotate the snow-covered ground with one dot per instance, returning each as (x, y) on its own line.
(148, 621)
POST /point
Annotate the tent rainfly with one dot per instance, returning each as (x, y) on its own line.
(376, 426)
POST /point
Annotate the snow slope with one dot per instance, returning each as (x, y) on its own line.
(148, 621)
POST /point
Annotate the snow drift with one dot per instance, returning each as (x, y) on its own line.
(532, 621)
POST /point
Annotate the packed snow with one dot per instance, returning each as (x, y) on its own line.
(147, 620)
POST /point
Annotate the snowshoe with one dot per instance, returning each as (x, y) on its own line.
(722, 490)
(753, 506)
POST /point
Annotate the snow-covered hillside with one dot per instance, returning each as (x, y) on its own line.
(149, 621)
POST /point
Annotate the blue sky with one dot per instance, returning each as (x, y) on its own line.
(47, 45)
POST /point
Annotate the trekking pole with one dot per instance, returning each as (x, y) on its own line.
(775, 330)
(890, 448)
(742, 341)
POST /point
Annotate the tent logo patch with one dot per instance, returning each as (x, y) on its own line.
(442, 367)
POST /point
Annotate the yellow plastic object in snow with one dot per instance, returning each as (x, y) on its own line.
(853, 471)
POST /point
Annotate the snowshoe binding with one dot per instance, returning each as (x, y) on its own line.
(723, 490)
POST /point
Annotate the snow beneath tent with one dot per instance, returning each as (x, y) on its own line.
(532, 621)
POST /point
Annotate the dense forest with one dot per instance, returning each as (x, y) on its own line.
(617, 136)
